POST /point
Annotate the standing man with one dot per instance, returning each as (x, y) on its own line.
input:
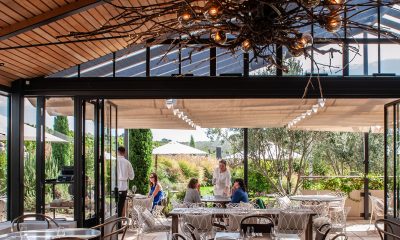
(221, 180)
(125, 173)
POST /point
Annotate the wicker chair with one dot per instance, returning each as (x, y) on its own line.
(177, 236)
(112, 227)
(260, 224)
(15, 225)
(390, 229)
(322, 232)
(340, 236)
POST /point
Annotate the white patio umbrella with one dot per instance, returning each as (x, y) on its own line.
(29, 132)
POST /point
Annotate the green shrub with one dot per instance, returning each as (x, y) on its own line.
(189, 170)
(140, 149)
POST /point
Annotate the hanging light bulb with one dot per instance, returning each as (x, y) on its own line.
(315, 108)
(310, 3)
(185, 16)
(334, 4)
(321, 102)
(309, 112)
(333, 22)
(212, 11)
(296, 52)
(175, 111)
(246, 45)
(219, 37)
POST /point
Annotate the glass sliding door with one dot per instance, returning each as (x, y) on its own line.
(110, 158)
(92, 147)
(392, 160)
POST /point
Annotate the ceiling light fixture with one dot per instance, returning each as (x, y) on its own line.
(241, 25)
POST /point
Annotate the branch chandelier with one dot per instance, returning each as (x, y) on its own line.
(258, 26)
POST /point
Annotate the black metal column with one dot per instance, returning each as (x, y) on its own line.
(79, 204)
(126, 143)
(213, 61)
(366, 179)
(16, 145)
(279, 59)
(40, 154)
(148, 58)
(245, 156)
(365, 56)
(246, 64)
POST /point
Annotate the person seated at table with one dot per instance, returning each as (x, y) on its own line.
(240, 194)
(192, 192)
(155, 190)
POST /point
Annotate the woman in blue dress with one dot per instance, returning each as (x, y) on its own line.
(155, 190)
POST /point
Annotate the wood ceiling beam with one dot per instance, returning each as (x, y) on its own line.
(48, 17)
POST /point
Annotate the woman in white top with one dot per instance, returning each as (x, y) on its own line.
(221, 180)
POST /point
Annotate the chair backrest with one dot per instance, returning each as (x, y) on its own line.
(340, 236)
(113, 229)
(193, 232)
(377, 205)
(322, 232)
(234, 222)
(17, 222)
(260, 224)
(388, 228)
(284, 202)
(202, 222)
(67, 238)
(292, 221)
(177, 236)
(320, 209)
(145, 202)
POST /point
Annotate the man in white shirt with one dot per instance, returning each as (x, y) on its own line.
(125, 173)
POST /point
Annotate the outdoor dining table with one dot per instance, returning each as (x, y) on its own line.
(221, 212)
(236, 235)
(45, 234)
(316, 198)
(216, 199)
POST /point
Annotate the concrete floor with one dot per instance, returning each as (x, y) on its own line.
(356, 230)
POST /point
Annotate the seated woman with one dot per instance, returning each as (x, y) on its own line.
(155, 190)
(193, 192)
(240, 194)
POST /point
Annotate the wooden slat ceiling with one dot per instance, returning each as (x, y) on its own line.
(350, 115)
(45, 60)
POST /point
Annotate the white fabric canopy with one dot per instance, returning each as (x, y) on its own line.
(173, 148)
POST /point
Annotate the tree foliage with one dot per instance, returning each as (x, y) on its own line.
(192, 144)
(62, 152)
(140, 149)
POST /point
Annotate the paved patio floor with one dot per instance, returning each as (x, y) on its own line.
(356, 230)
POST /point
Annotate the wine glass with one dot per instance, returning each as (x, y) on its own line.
(273, 232)
(22, 230)
(134, 188)
(60, 231)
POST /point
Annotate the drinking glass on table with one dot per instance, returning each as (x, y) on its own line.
(22, 234)
(273, 233)
(60, 231)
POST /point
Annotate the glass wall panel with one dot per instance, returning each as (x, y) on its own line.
(101, 67)
(390, 58)
(196, 62)
(29, 155)
(59, 158)
(227, 62)
(296, 65)
(390, 159)
(3, 156)
(164, 61)
(130, 63)
(328, 59)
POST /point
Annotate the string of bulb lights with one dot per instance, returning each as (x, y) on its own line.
(314, 109)
(258, 26)
(170, 103)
